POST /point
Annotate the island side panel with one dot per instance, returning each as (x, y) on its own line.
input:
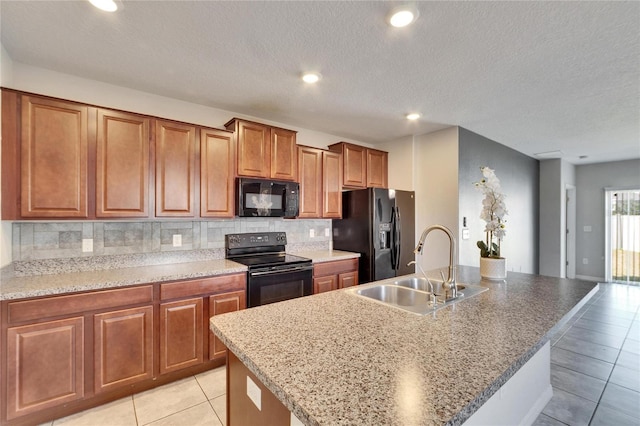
(241, 410)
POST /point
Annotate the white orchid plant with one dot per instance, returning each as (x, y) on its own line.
(493, 213)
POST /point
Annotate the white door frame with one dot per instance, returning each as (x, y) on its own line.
(570, 232)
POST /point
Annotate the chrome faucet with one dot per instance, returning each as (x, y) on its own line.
(450, 282)
(413, 262)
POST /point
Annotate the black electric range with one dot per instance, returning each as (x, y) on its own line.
(273, 275)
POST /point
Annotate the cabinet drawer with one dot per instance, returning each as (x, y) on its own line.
(337, 267)
(220, 284)
(30, 310)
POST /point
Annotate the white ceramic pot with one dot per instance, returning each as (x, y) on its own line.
(493, 268)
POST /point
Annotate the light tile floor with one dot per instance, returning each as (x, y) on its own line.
(595, 374)
(198, 400)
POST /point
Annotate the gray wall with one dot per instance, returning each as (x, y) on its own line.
(519, 178)
(591, 180)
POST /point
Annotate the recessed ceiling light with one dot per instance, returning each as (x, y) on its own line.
(413, 116)
(403, 16)
(106, 5)
(311, 77)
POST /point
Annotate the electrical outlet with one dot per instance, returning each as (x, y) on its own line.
(254, 393)
(177, 240)
(585, 261)
(587, 228)
(327, 232)
(312, 233)
(87, 245)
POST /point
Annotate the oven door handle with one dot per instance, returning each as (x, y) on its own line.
(280, 271)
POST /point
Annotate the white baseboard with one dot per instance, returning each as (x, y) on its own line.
(588, 278)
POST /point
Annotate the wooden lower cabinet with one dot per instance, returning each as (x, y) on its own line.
(322, 284)
(63, 354)
(221, 304)
(123, 347)
(45, 365)
(335, 275)
(181, 334)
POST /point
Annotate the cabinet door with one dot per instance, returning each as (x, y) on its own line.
(221, 304)
(46, 366)
(322, 284)
(181, 334)
(377, 163)
(216, 173)
(54, 149)
(348, 279)
(332, 185)
(123, 347)
(122, 169)
(284, 164)
(310, 167)
(175, 169)
(355, 166)
(254, 149)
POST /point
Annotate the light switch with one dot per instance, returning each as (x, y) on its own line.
(465, 234)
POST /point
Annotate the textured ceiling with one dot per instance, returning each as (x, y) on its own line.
(535, 76)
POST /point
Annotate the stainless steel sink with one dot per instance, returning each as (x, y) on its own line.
(422, 285)
(402, 297)
(413, 294)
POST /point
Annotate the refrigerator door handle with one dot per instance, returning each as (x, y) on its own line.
(397, 238)
(392, 243)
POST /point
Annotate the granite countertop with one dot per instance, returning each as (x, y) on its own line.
(73, 276)
(356, 361)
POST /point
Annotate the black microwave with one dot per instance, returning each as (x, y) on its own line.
(267, 198)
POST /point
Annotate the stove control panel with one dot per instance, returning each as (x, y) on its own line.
(255, 239)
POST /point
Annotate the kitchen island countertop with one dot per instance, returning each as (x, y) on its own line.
(337, 358)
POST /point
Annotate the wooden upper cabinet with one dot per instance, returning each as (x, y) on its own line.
(216, 173)
(264, 151)
(54, 147)
(122, 165)
(254, 147)
(377, 163)
(175, 169)
(354, 159)
(310, 167)
(332, 185)
(362, 167)
(284, 164)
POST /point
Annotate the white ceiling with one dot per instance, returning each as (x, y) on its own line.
(535, 76)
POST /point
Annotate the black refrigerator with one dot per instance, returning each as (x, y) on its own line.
(380, 225)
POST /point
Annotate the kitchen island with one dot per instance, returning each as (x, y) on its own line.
(338, 358)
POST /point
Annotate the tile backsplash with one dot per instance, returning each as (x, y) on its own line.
(57, 240)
